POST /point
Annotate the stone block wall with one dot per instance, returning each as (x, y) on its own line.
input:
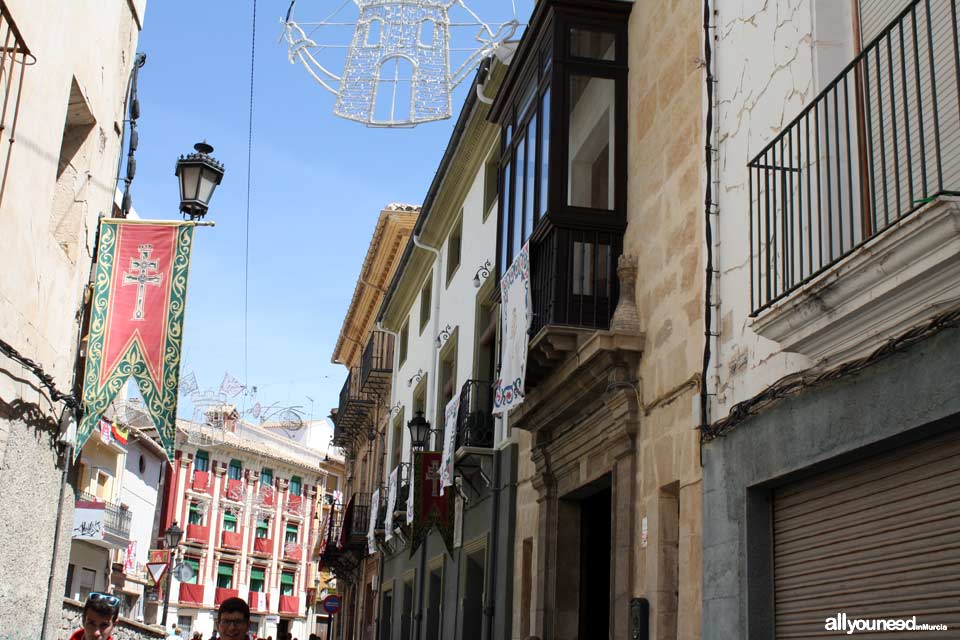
(666, 232)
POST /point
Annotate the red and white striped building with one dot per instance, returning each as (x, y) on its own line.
(250, 508)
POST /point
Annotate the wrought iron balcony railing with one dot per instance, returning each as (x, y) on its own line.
(475, 418)
(877, 143)
(116, 519)
(376, 365)
(354, 408)
(574, 279)
(15, 57)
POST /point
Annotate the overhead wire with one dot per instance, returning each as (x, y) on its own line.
(246, 235)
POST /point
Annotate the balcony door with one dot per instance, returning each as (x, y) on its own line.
(908, 103)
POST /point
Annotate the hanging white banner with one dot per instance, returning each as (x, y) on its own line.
(410, 483)
(449, 442)
(391, 503)
(515, 317)
(371, 530)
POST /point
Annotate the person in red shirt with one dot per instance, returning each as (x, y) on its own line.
(100, 614)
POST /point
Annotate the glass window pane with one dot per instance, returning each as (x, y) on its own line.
(544, 154)
(202, 461)
(596, 45)
(295, 485)
(505, 222)
(519, 162)
(531, 178)
(590, 167)
(235, 470)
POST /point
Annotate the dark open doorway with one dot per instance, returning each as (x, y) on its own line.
(595, 558)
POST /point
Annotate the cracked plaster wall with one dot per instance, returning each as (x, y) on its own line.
(772, 57)
(92, 43)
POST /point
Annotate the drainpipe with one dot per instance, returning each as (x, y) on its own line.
(431, 399)
(383, 471)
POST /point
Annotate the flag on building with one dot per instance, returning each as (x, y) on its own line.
(430, 508)
(449, 442)
(188, 384)
(515, 318)
(230, 386)
(372, 528)
(136, 325)
(393, 485)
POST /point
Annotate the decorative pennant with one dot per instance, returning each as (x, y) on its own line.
(188, 384)
(372, 530)
(430, 508)
(136, 325)
(449, 442)
(515, 319)
(392, 487)
(230, 386)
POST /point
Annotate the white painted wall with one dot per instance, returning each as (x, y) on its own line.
(457, 307)
(771, 60)
(140, 492)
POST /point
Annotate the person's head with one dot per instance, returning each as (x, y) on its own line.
(100, 614)
(197, 635)
(233, 619)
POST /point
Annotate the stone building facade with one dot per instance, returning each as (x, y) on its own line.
(608, 507)
(58, 176)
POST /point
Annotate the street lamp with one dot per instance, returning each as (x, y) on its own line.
(171, 539)
(199, 174)
(419, 431)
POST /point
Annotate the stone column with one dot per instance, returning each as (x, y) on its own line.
(179, 497)
(219, 479)
(544, 582)
(623, 403)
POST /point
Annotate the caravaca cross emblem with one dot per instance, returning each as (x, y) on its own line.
(142, 277)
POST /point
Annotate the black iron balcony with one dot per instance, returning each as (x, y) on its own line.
(116, 518)
(376, 366)
(475, 417)
(879, 142)
(574, 278)
(355, 406)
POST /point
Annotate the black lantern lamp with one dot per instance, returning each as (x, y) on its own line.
(199, 174)
(419, 431)
(172, 536)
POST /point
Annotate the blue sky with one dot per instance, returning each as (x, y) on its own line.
(318, 185)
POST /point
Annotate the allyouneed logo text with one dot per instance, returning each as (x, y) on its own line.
(841, 622)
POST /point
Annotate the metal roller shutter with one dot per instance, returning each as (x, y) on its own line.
(879, 538)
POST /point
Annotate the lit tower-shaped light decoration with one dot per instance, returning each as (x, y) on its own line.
(398, 70)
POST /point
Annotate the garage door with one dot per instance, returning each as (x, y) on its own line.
(879, 538)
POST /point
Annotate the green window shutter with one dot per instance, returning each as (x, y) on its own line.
(195, 565)
(225, 576)
(257, 574)
(266, 477)
(225, 569)
(201, 461)
(263, 529)
(235, 470)
(295, 485)
(229, 522)
(195, 517)
(286, 584)
(291, 533)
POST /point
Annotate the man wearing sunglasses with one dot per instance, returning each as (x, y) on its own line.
(100, 614)
(233, 619)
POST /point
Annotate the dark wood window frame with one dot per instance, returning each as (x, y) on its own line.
(544, 61)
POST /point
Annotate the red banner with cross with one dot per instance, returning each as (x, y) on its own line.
(136, 323)
(430, 508)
